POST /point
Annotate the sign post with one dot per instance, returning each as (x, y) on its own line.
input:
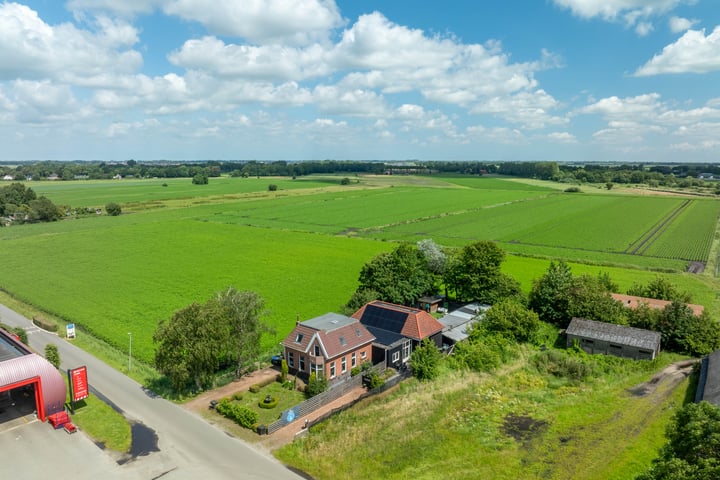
(70, 330)
(79, 387)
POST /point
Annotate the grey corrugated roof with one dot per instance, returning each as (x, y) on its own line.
(609, 332)
(711, 376)
(457, 322)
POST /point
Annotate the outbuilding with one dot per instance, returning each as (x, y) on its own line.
(709, 382)
(24, 373)
(611, 339)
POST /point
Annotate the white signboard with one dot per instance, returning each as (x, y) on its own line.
(70, 330)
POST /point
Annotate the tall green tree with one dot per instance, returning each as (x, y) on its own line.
(474, 272)
(550, 294)
(661, 289)
(400, 276)
(692, 451)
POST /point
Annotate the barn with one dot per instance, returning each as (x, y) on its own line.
(611, 339)
(24, 374)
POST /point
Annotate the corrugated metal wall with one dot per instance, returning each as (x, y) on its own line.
(52, 383)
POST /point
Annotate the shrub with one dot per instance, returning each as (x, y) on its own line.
(113, 209)
(21, 333)
(375, 380)
(561, 364)
(255, 388)
(345, 181)
(283, 370)
(354, 371)
(425, 361)
(316, 385)
(237, 396)
(572, 190)
(44, 324)
(240, 414)
(272, 187)
(52, 355)
(269, 405)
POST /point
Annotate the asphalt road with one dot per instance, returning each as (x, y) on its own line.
(189, 447)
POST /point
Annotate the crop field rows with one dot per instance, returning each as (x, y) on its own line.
(302, 247)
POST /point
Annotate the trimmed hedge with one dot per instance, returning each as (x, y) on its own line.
(255, 388)
(270, 405)
(240, 414)
(44, 324)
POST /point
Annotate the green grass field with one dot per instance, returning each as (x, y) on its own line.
(301, 247)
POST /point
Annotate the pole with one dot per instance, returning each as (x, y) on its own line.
(130, 353)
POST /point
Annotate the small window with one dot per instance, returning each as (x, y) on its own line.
(302, 363)
(395, 357)
(344, 365)
(332, 370)
(342, 341)
(317, 350)
(585, 341)
(359, 333)
(353, 360)
(299, 338)
(291, 359)
(363, 354)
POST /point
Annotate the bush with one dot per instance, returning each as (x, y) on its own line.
(21, 333)
(561, 364)
(425, 361)
(375, 380)
(52, 355)
(572, 190)
(272, 187)
(316, 385)
(113, 209)
(269, 405)
(283, 370)
(345, 181)
(237, 396)
(44, 324)
(354, 371)
(240, 414)
(255, 388)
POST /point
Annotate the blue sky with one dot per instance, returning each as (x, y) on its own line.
(491, 80)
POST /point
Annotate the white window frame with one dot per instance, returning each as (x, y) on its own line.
(291, 359)
(353, 360)
(363, 354)
(301, 363)
(343, 365)
(407, 349)
(395, 357)
(332, 369)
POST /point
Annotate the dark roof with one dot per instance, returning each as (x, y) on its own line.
(385, 338)
(709, 383)
(336, 334)
(10, 347)
(609, 332)
(407, 321)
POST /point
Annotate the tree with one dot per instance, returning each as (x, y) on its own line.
(200, 178)
(425, 361)
(692, 451)
(272, 187)
(316, 384)
(358, 299)
(434, 256)
(345, 181)
(661, 289)
(43, 210)
(589, 298)
(52, 355)
(512, 319)
(549, 296)
(113, 209)
(474, 272)
(400, 276)
(240, 313)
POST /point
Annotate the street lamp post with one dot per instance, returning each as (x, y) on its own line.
(130, 353)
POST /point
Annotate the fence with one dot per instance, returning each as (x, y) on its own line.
(313, 403)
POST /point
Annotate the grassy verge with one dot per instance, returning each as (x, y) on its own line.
(103, 424)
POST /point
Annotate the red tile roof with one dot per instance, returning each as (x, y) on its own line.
(631, 301)
(407, 321)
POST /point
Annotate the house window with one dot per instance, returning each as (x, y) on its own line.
(406, 350)
(395, 357)
(332, 370)
(291, 359)
(317, 350)
(363, 354)
(585, 341)
(344, 365)
(299, 338)
(353, 360)
(342, 341)
(302, 363)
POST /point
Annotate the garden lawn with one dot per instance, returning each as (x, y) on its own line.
(286, 399)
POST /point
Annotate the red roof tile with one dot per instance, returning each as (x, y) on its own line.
(631, 301)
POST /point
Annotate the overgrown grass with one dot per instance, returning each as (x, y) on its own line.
(456, 424)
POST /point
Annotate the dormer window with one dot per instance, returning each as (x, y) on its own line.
(342, 341)
(299, 338)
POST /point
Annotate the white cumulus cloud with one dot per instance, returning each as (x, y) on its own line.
(694, 52)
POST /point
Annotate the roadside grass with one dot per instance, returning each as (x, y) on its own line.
(588, 430)
(103, 424)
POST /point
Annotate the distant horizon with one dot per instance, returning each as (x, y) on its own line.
(556, 80)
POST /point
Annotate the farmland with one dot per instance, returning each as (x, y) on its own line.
(302, 246)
